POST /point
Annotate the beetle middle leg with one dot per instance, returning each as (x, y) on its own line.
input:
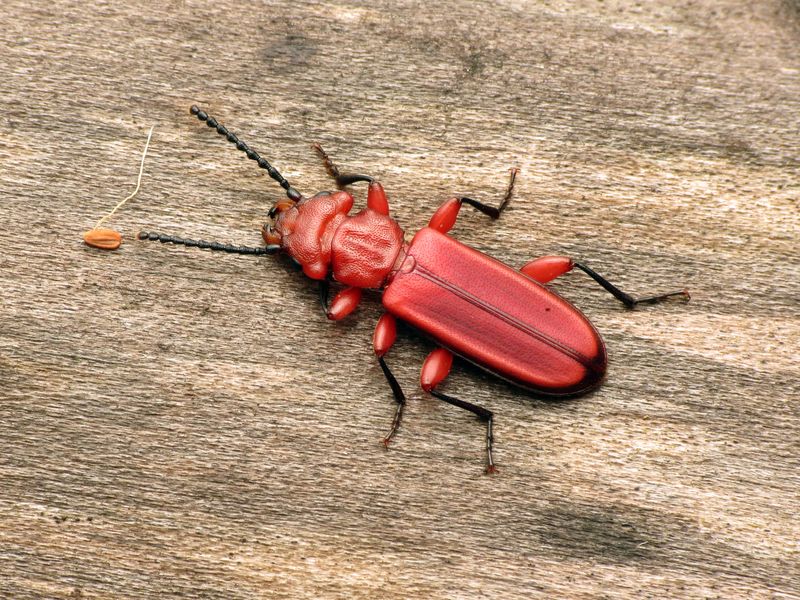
(435, 370)
(547, 268)
(376, 197)
(445, 217)
(382, 340)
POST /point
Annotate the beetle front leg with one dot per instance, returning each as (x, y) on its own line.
(547, 268)
(343, 303)
(382, 340)
(342, 179)
(435, 370)
(445, 217)
(376, 197)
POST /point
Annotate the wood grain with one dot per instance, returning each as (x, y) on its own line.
(180, 424)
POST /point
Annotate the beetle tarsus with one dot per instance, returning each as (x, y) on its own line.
(494, 212)
(399, 397)
(398, 416)
(483, 414)
(628, 300)
(342, 179)
(654, 299)
(385, 441)
(510, 189)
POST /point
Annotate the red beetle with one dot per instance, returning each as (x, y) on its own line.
(502, 319)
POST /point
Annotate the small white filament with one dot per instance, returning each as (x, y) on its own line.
(138, 181)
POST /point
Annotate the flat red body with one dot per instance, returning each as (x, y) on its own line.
(495, 317)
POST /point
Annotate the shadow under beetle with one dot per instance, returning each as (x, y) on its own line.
(501, 319)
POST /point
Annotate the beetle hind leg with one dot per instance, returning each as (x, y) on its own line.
(483, 414)
(547, 268)
(435, 370)
(628, 300)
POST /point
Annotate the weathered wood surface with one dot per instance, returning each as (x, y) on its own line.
(180, 424)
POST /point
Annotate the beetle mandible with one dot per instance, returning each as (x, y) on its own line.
(501, 319)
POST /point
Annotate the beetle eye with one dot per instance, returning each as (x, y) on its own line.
(280, 207)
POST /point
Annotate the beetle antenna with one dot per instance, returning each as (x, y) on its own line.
(171, 239)
(292, 193)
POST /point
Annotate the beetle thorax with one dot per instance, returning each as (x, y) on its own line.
(357, 251)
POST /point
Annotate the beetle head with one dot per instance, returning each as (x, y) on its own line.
(272, 232)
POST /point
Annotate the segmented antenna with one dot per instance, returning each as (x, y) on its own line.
(292, 193)
(171, 239)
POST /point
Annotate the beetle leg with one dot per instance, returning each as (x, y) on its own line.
(343, 303)
(547, 268)
(382, 340)
(491, 211)
(445, 217)
(628, 300)
(324, 290)
(376, 197)
(340, 178)
(435, 370)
